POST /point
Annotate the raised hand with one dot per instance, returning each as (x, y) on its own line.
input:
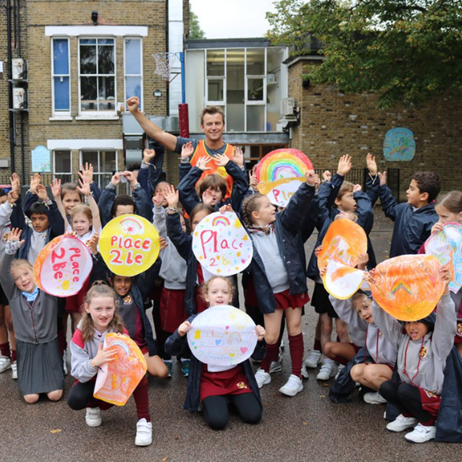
(84, 187)
(104, 355)
(357, 188)
(362, 259)
(56, 188)
(184, 328)
(115, 180)
(171, 196)
(221, 160)
(261, 332)
(226, 208)
(15, 183)
(437, 227)
(162, 243)
(41, 192)
(35, 180)
(371, 164)
(157, 199)
(202, 163)
(12, 197)
(148, 155)
(187, 150)
(131, 177)
(253, 181)
(133, 104)
(326, 176)
(344, 165)
(311, 177)
(383, 178)
(207, 197)
(238, 156)
(93, 244)
(86, 172)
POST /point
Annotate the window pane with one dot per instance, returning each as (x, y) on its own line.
(61, 56)
(215, 90)
(216, 62)
(92, 158)
(133, 87)
(106, 93)
(62, 161)
(255, 89)
(106, 60)
(235, 96)
(61, 85)
(256, 118)
(108, 161)
(88, 59)
(132, 56)
(88, 93)
(255, 61)
(88, 41)
(106, 41)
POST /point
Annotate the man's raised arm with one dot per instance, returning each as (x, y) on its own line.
(166, 139)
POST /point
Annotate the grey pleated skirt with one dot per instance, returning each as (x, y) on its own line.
(40, 367)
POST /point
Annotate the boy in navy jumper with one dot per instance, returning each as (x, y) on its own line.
(413, 219)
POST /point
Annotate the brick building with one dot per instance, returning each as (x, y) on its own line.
(83, 58)
(333, 123)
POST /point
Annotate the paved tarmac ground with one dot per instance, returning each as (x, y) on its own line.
(307, 427)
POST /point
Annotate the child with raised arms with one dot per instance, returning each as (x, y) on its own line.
(88, 355)
(39, 361)
(213, 385)
(279, 280)
(423, 347)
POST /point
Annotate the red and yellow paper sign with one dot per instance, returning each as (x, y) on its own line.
(129, 245)
(408, 287)
(117, 379)
(63, 266)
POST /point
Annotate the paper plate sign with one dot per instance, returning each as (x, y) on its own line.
(283, 163)
(446, 245)
(117, 379)
(63, 266)
(223, 336)
(222, 245)
(279, 192)
(129, 245)
(408, 287)
(342, 281)
(342, 243)
(399, 145)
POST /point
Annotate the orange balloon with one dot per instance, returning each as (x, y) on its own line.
(342, 243)
(408, 287)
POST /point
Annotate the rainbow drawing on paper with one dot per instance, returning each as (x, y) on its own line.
(220, 220)
(283, 163)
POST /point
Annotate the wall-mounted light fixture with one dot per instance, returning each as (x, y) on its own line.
(94, 17)
(157, 93)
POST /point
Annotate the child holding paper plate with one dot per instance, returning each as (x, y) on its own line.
(88, 355)
(278, 271)
(213, 386)
(39, 361)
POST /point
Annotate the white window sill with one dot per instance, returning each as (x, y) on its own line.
(97, 117)
(57, 118)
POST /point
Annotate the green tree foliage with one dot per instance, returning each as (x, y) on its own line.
(195, 31)
(406, 50)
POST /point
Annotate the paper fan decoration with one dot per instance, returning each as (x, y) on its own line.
(408, 287)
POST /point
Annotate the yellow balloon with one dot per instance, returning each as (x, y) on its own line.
(129, 245)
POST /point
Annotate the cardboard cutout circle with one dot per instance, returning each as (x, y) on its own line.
(221, 244)
(279, 192)
(408, 287)
(117, 379)
(342, 281)
(283, 163)
(446, 245)
(223, 336)
(63, 266)
(342, 243)
(129, 245)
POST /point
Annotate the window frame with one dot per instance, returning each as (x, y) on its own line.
(57, 174)
(97, 173)
(54, 112)
(90, 113)
(140, 39)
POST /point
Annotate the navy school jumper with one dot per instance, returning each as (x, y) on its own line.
(290, 244)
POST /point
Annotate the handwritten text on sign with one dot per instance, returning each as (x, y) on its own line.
(221, 244)
(129, 245)
(63, 266)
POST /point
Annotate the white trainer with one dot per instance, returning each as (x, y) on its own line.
(5, 363)
(93, 417)
(374, 398)
(327, 371)
(340, 367)
(14, 371)
(401, 423)
(293, 386)
(421, 434)
(275, 366)
(143, 433)
(262, 378)
(65, 368)
(313, 359)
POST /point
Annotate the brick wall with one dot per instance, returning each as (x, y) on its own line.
(333, 124)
